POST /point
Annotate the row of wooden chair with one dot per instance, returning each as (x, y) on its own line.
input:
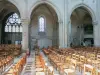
(18, 67)
(6, 50)
(60, 62)
(7, 53)
(46, 51)
(39, 63)
(5, 63)
(80, 58)
(42, 68)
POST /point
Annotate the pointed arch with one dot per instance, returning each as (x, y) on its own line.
(37, 3)
(89, 9)
(16, 5)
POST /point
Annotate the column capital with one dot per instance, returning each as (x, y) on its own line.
(95, 23)
(60, 22)
(25, 21)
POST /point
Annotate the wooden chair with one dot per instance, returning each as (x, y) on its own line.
(71, 69)
(65, 64)
(81, 63)
(98, 69)
(1, 67)
(11, 71)
(50, 70)
(89, 70)
(98, 57)
(40, 73)
(17, 68)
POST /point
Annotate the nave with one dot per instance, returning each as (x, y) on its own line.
(53, 61)
(65, 31)
(22, 64)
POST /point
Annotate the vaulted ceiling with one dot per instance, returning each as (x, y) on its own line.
(81, 15)
(44, 8)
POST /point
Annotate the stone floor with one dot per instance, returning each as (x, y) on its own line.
(29, 68)
(48, 63)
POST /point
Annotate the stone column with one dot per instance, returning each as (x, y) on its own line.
(69, 35)
(96, 25)
(96, 34)
(25, 34)
(66, 24)
(0, 30)
(61, 35)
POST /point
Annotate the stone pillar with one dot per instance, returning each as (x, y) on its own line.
(96, 34)
(61, 35)
(69, 35)
(96, 25)
(65, 24)
(0, 31)
(65, 35)
(25, 34)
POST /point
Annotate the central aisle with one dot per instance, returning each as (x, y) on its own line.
(48, 63)
(29, 68)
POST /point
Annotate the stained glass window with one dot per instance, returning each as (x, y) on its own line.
(13, 29)
(13, 23)
(41, 24)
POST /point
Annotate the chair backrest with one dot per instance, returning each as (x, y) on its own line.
(50, 70)
(73, 56)
(82, 59)
(90, 69)
(92, 56)
(77, 57)
(98, 57)
(73, 64)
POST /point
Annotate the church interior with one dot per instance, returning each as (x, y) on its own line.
(49, 37)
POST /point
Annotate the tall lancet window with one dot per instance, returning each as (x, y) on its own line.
(41, 24)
